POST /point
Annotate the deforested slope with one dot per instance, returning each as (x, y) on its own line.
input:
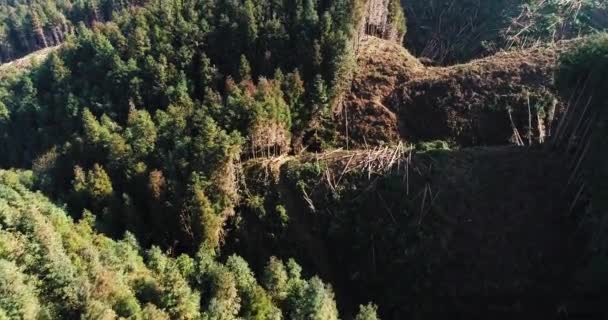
(503, 99)
(425, 234)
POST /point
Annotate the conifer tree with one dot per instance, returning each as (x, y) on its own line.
(141, 133)
(244, 69)
(367, 312)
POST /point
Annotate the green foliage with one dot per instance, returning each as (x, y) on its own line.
(244, 67)
(275, 279)
(310, 299)
(148, 90)
(92, 189)
(140, 133)
(54, 268)
(396, 18)
(432, 146)
(26, 26)
(206, 221)
(587, 62)
(18, 297)
(367, 312)
(315, 301)
(256, 303)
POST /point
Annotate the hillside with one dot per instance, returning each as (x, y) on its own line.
(484, 102)
(451, 32)
(440, 229)
(173, 159)
(54, 268)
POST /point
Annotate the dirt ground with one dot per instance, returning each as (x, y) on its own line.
(503, 99)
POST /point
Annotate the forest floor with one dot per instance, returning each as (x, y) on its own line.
(503, 243)
(511, 247)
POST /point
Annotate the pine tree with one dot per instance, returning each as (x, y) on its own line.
(79, 183)
(37, 28)
(99, 185)
(92, 128)
(208, 74)
(315, 303)
(18, 299)
(141, 133)
(367, 312)
(244, 69)
(320, 95)
(256, 304)
(225, 302)
(251, 23)
(310, 17)
(293, 87)
(275, 279)
(206, 223)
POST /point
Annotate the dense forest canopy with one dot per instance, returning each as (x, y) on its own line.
(29, 25)
(54, 268)
(143, 117)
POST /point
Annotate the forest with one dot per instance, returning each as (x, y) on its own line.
(303, 159)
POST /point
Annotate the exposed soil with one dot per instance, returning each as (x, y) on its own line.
(502, 99)
(364, 116)
(470, 104)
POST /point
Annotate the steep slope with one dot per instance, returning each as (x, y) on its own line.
(382, 66)
(473, 233)
(503, 99)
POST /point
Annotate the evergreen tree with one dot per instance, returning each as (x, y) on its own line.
(206, 223)
(140, 133)
(275, 279)
(99, 185)
(367, 312)
(317, 302)
(18, 298)
(251, 24)
(244, 69)
(320, 95)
